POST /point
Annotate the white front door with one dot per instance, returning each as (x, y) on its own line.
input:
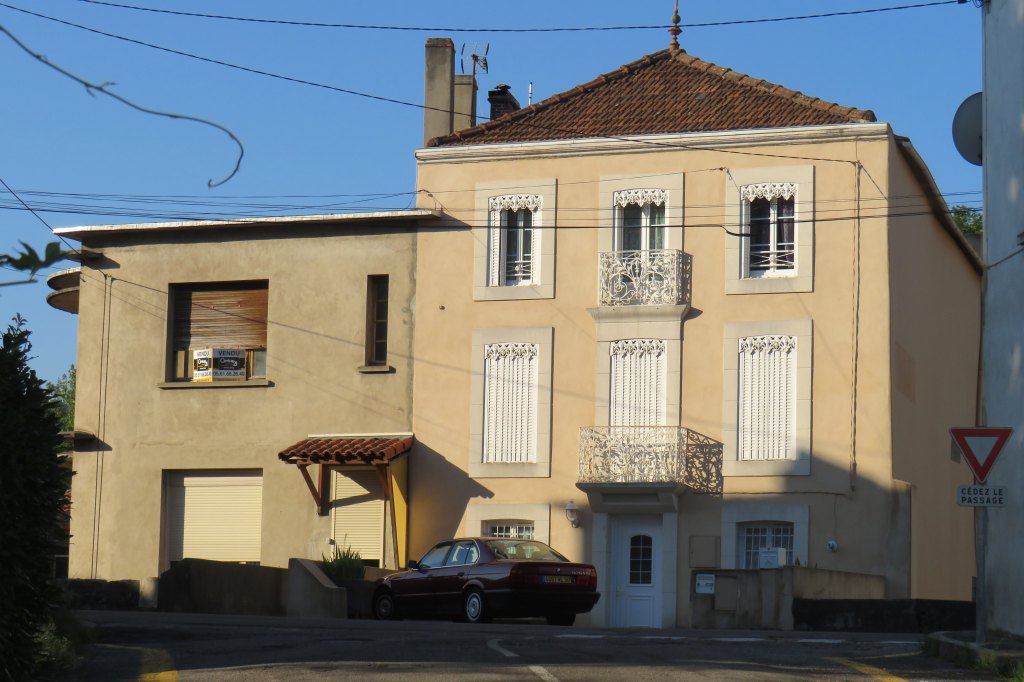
(636, 571)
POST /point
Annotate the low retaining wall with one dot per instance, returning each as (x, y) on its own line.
(201, 586)
(882, 615)
(102, 595)
(310, 593)
(764, 598)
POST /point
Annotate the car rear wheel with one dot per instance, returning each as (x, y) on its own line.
(475, 608)
(562, 619)
(384, 606)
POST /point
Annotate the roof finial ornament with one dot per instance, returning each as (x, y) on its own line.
(673, 44)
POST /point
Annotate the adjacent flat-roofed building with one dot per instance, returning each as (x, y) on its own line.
(214, 356)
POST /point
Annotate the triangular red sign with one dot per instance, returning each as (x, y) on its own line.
(981, 446)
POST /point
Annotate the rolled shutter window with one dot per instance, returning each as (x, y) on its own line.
(225, 315)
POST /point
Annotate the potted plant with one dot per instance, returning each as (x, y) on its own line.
(345, 567)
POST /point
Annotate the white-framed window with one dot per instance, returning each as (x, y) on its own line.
(513, 249)
(769, 220)
(510, 402)
(519, 529)
(637, 393)
(640, 219)
(763, 535)
(767, 397)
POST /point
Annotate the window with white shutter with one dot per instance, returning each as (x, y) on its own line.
(510, 402)
(512, 241)
(767, 397)
(637, 395)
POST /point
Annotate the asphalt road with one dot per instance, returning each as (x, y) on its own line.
(162, 647)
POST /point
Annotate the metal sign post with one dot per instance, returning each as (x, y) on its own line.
(972, 442)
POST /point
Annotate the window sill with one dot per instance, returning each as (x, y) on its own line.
(513, 293)
(375, 369)
(777, 284)
(767, 467)
(251, 383)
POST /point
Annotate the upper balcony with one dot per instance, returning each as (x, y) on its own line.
(650, 277)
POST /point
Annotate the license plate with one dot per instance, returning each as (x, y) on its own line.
(561, 579)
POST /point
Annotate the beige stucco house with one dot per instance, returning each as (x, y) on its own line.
(222, 367)
(715, 315)
(676, 321)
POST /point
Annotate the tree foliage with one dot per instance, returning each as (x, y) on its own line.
(968, 219)
(30, 261)
(32, 486)
(63, 391)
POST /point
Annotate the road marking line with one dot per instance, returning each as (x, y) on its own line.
(870, 670)
(674, 639)
(737, 639)
(820, 641)
(157, 666)
(537, 670)
(580, 636)
(543, 674)
(493, 644)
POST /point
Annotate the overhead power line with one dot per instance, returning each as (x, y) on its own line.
(547, 29)
(417, 105)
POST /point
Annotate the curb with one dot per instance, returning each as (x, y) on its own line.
(967, 653)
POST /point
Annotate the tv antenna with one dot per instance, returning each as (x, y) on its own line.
(476, 53)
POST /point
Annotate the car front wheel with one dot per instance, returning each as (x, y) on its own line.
(475, 608)
(562, 619)
(384, 606)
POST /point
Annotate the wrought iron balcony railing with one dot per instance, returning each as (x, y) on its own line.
(650, 454)
(653, 277)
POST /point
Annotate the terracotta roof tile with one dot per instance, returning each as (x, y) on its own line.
(663, 92)
(346, 450)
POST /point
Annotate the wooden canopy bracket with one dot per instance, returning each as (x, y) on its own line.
(317, 490)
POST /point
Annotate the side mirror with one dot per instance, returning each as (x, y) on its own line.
(413, 564)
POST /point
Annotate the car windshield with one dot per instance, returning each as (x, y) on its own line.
(523, 549)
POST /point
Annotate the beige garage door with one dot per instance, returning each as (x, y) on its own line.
(214, 515)
(358, 509)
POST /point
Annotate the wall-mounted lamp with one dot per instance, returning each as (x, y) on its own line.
(572, 512)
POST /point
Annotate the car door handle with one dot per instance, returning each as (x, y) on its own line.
(461, 574)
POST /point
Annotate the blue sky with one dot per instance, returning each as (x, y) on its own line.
(305, 146)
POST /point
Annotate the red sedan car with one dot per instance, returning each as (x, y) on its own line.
(476, 579)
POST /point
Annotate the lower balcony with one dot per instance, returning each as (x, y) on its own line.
(656, 459)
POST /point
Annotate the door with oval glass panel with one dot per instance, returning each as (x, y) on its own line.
(636, 574)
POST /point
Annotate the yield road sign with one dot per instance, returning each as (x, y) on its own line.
(980, 446)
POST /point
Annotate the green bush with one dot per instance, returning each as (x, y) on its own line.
(343, 564)
(32, 486)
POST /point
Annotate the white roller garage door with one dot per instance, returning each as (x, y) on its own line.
(214, 515)
(358, 508)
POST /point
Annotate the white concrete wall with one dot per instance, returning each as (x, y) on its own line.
(1004, 322)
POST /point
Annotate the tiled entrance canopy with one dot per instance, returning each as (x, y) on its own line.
(334, 450)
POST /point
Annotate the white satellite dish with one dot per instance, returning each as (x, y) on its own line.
(967, 129)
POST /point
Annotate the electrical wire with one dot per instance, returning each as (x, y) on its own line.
(551, 29)
(416, 105)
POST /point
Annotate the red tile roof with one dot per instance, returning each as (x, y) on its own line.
(664, 92)
(346, 450)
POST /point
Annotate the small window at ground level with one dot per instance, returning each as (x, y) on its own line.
(508, 528)
(219, 331)
(758, 536)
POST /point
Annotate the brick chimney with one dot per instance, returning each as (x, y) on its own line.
(450, 100)
(502, 101)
